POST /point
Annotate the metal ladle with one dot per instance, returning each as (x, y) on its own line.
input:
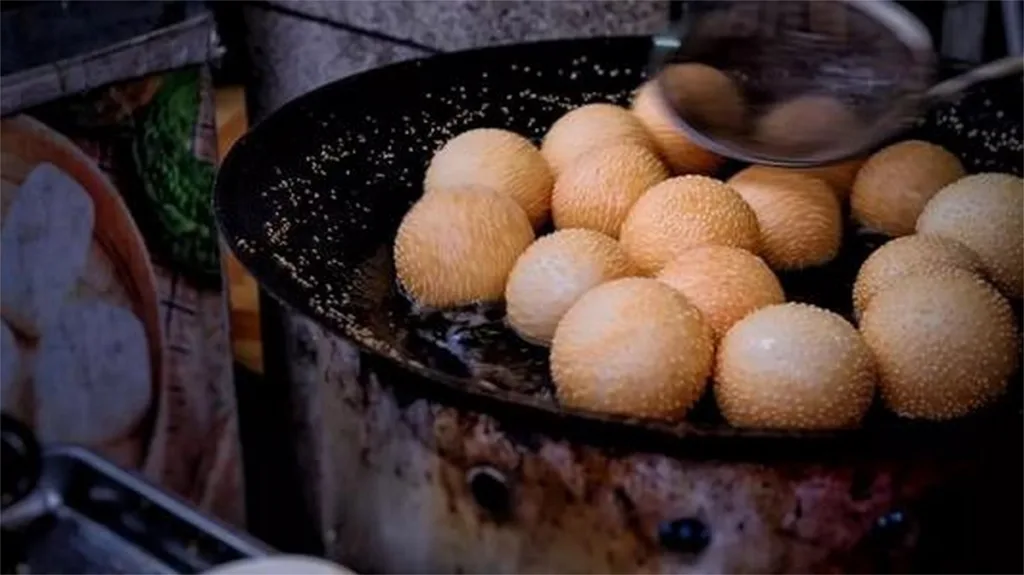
(807, 82)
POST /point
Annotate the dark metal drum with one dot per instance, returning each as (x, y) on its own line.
(431, 442)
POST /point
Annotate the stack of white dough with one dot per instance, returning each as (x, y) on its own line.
(74, 366)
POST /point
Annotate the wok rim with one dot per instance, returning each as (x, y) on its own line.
(437, 386)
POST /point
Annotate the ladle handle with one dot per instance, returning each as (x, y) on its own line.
(996, 69)
(666, 44)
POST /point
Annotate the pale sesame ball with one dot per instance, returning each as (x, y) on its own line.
(945, 345)
(919, 254)
(984, 212)
(553, 273)
(794, 366)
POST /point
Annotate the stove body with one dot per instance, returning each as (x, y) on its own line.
(399, 483)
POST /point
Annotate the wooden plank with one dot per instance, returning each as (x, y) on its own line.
(246, 339)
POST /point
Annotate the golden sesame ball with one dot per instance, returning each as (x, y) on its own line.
(724, 283)
(708, 97)
(839, 176)
(895, 183)
(681, 154)
(684, 212)
(553, 273)
(794, 366)
(497, 159)
(597, 191)
(799, 217)
(457, 246)
(634, 347)
(806, 124)
(589, 128)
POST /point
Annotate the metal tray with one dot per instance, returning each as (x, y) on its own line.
(68, 510)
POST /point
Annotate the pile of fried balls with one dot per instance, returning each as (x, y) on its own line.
(659, 280)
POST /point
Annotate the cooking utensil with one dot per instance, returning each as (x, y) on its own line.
(821, 81)
(75, 512)
(311, 198)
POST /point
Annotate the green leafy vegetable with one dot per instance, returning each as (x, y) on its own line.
(177, 183)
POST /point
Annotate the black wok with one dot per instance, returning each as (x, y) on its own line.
(310, 199)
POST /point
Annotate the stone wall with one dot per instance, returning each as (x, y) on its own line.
(299, 45)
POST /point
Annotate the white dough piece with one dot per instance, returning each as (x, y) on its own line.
(279, 564)
(10, 367)
(43, 247)
(91, 374)
(100, 280)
